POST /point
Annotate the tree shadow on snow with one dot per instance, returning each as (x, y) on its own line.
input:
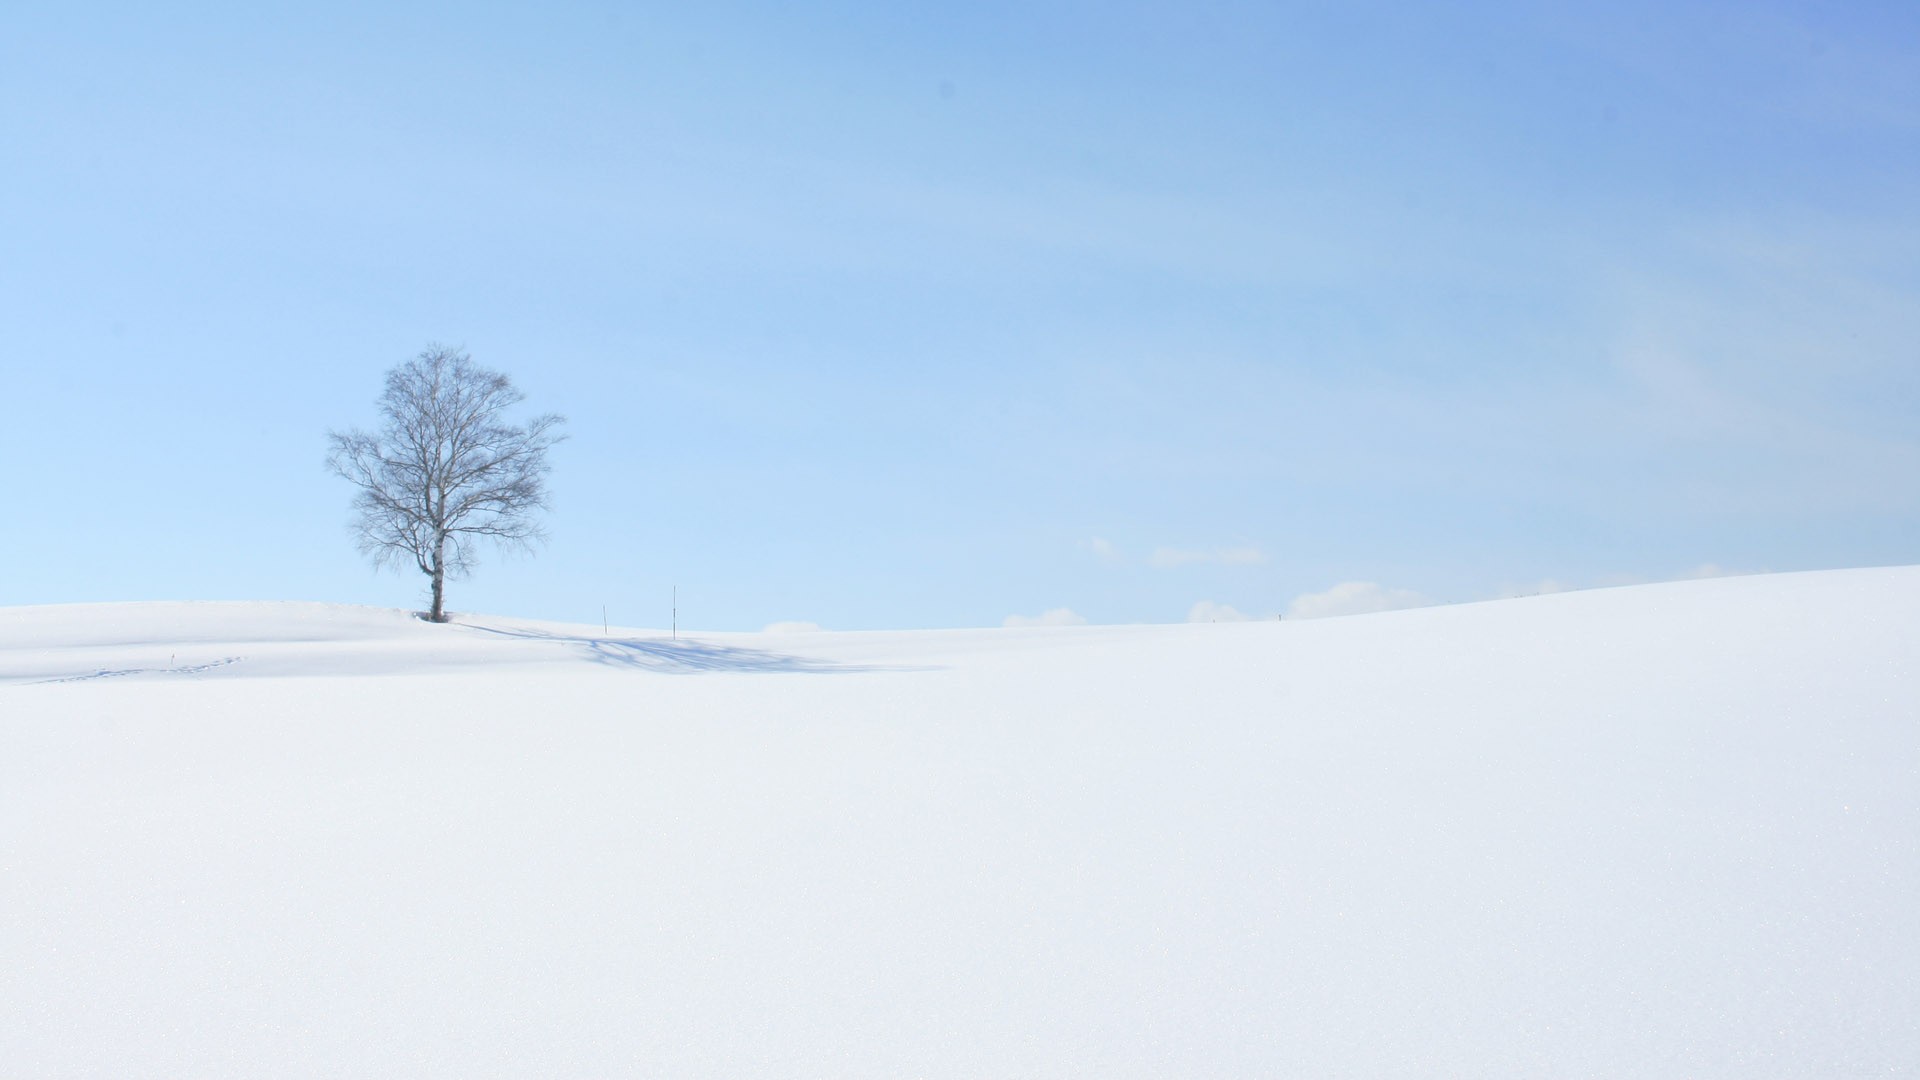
(687, 655)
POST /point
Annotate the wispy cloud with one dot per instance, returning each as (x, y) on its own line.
(1104, 550)
(1167, 558)
(1054, 617)
(1353, 598)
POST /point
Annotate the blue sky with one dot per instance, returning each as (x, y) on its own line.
(874, 317)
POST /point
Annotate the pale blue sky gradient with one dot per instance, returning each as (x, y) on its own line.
(883, 316)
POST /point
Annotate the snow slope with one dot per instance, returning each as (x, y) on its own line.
(1651, 832)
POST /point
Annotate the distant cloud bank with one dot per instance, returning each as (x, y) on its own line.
(792, 628)
(1056, 617)
(1513, 590)
(1208, 611)
(1354, 598)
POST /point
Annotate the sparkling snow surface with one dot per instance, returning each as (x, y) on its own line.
(1666, 831)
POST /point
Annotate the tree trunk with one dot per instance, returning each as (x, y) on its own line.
(439, 612)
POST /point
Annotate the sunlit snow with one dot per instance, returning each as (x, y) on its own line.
(1658, 831)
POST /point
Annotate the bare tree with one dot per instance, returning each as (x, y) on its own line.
(446, 470)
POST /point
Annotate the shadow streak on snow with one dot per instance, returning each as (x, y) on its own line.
(687, 655)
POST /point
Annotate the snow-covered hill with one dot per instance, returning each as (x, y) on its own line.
(1651, 832)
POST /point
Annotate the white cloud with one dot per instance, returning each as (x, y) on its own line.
(1056, 617)
(792, 628)
(1237, 556)
(1208, 611)
(1104, 550)
(1353, 598)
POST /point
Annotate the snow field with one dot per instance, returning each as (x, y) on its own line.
(1660, 831)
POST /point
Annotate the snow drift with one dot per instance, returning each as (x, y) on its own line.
(1649, 832)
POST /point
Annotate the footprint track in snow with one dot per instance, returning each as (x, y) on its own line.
(189, 669)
